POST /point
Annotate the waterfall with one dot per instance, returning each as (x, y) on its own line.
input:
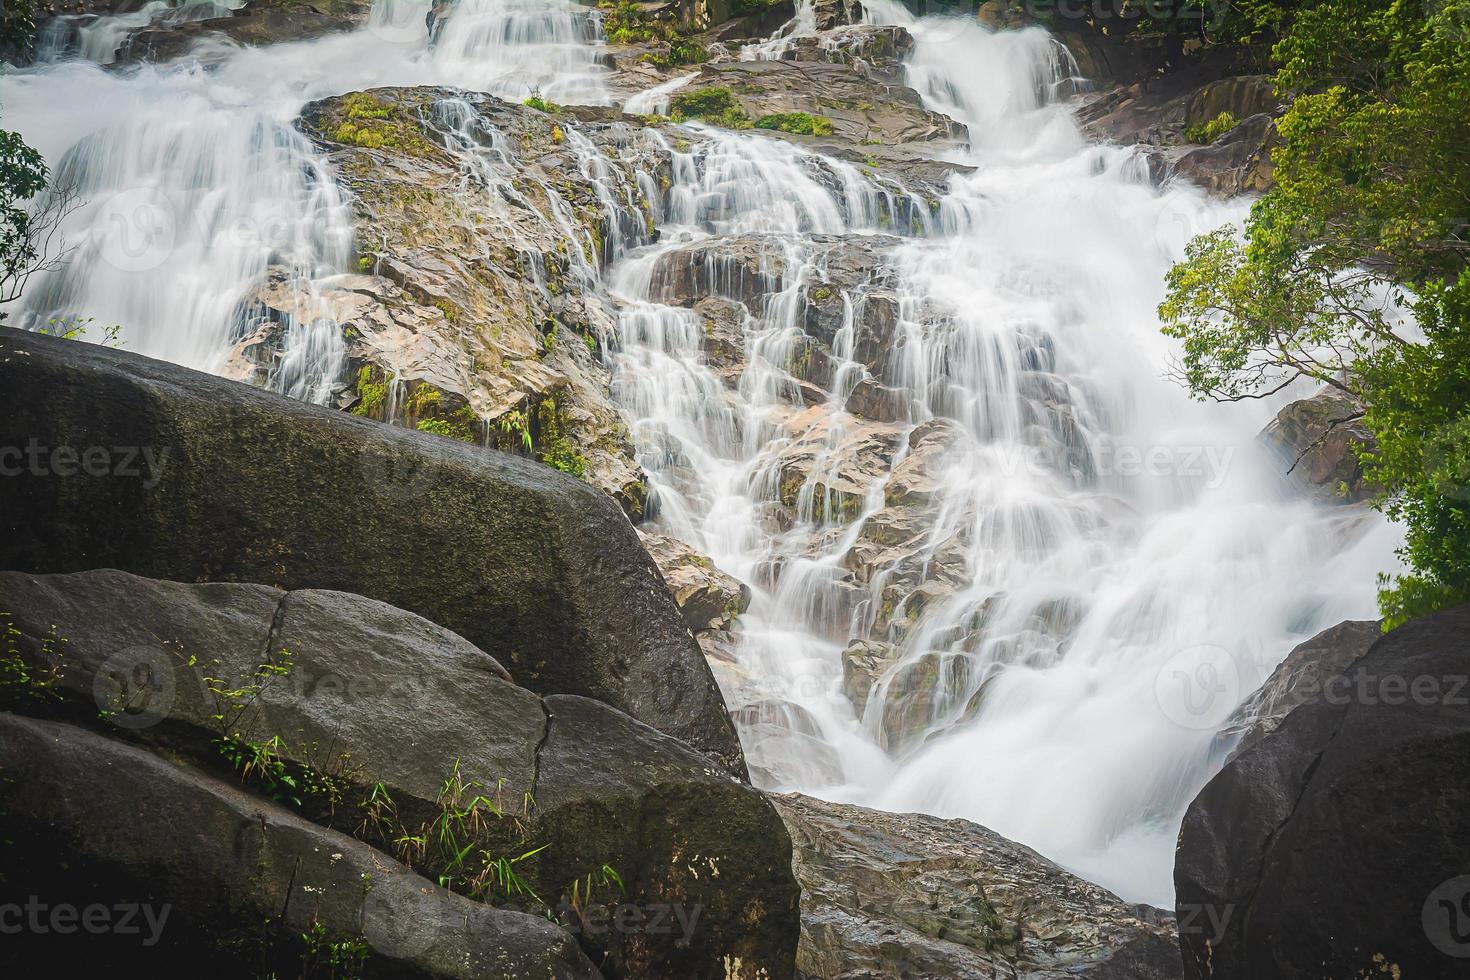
(1060, 574)
(1119, 566)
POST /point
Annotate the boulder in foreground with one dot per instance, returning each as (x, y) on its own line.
(906, 896)
(1335, 846)
(384, 726)
(125, 462)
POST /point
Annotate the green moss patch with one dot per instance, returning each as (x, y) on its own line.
(799, 123)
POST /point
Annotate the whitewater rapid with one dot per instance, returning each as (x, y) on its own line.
(1135, 580)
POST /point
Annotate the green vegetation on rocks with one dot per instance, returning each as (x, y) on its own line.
(1210, 131)
(800, 123)
(717, 106)
(1360, 246)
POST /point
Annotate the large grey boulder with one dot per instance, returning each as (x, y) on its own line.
(228, 880)
(206, 479)
(369, 702)
(1313, 668)
(1335, 846)
(904, 896)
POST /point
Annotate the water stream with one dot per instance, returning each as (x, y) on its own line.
(1107, 569)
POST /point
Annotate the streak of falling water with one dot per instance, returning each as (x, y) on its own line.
(194, 181)
(1101, 542)
(1118, 566)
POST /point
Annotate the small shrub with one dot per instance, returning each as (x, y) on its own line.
(717, 106)
(1207, 133)
(799, 123)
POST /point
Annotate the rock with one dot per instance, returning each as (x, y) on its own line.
(724, 337)
(1335, 846)
(487, 293)
(727, 858)
(901, 895)
(1316, 440)
(257, 23)
(708, 598)
(824, 471)
(860, 108)
(785, 745)
(538, 569)
(1238, 162)
(1158, 112)
(836, 13)
(863, 662)
(1305, 673)
(1002, 15)
(873, 51)
(230, 878)
(370, 699)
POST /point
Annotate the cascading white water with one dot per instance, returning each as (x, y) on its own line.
(1131, 568)
(194, 180)
(1110, 545)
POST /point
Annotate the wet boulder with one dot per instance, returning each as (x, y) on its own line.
(203, 479)
(376, 722)
(707, 597)
(892, 896)
(1335, 845)
(220, 881)
(1313, 668)
(1317, 440)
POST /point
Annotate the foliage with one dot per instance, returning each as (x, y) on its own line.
(18, 26)
(559, 452)
(372, 392)
(463, 844)
(269, 764)
(1359, 248)
(325, 957)
(717, 106)
(801, 123)
(39, 682)
(32, 210)
(542, 105)
(372, 124)
(1208, 132)
(515, 425)
(625, 22)
(75, 328)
